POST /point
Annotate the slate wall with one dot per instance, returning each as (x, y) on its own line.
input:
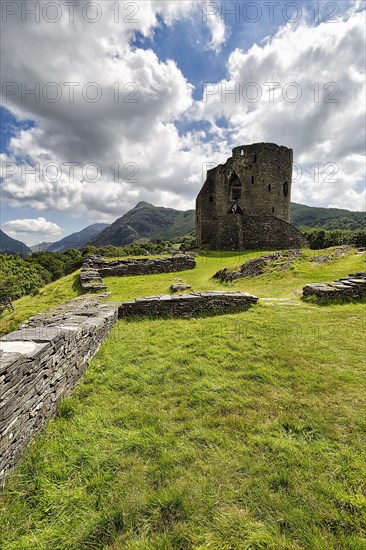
(185, 305)
(41, 363)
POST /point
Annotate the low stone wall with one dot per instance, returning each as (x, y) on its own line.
(353, 286)
(90, 280)
(143, 266)
(42, 362)
(187, 304)
(94, 268)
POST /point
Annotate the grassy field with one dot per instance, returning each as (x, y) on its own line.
(273, 284)
(242, 431)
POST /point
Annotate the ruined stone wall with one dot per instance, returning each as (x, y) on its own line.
(42, 362)
(235, 232)
(138, 266)
(259, 176)
(194, 303)
(353, 286)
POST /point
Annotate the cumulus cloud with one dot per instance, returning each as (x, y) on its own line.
(39, 225)
(101, 157)
(305, 89)
(128, 134)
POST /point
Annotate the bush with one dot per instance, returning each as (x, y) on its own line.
(18, 278)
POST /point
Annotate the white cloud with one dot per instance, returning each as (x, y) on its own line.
(39, 225)
(218, 32)
(324, 65)
(170, 166)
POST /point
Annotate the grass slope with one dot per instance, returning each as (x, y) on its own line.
(240, 431)
(275, 283)
(51, 295)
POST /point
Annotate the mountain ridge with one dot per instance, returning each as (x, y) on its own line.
(75, 240)
(145, 222)
(8, 245)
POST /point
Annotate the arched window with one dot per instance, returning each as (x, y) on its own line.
(285, 189)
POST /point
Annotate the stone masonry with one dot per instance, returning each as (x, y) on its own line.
(353, 286)
(186, 305)
(245, 203)
(42, 362)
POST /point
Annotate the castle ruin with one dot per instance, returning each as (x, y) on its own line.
(245, 203)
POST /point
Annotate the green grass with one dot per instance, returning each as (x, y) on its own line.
(242, 431)
(51, 295)
(273, 284)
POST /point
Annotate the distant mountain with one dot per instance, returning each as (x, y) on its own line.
(75, 240)
(12, 246)
(40, 247)
(326, 218)
(146, 221)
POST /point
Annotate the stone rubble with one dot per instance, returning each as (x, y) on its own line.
(353, 286)
(258, 266)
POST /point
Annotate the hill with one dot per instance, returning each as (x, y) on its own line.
(326, 218)
(75, 240)
(146, 221)
(8, 245)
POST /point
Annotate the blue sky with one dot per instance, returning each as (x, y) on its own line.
(170, 133)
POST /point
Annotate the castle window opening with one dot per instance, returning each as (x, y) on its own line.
(210, 199)
(285, 189)
(242, 152)
(235, 185)
(272, 209)
(235, 193)
(255, 157)
(252, 179)
(269, 187)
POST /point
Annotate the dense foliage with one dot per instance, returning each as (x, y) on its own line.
(326, 218)
(321, 238)
(20, 277)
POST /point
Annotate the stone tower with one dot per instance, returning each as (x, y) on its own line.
(245, 203)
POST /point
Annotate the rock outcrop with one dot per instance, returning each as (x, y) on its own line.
(258, 266)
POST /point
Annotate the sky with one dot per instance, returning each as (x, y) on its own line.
(107, 103)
